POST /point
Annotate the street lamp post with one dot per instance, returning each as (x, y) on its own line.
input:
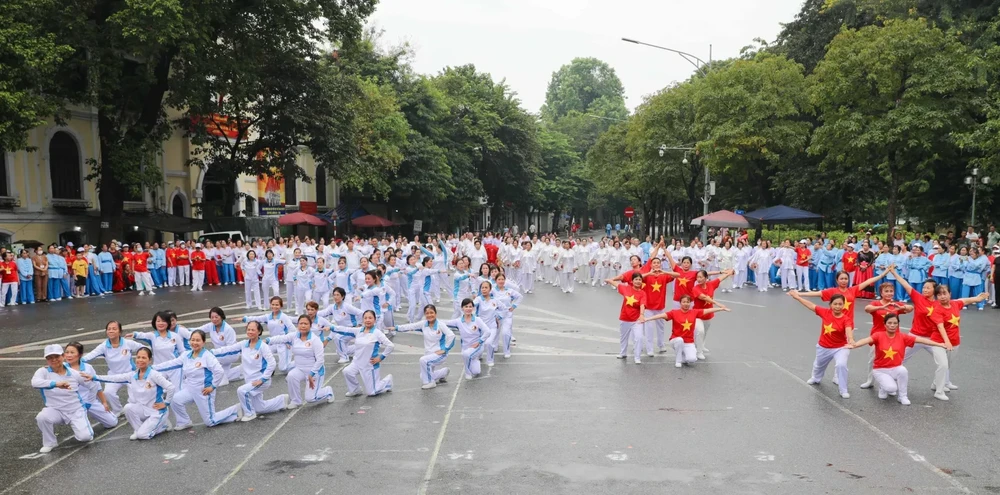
(691, 59)
(973, 181)
(709, 185)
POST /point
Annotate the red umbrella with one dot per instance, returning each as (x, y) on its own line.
(299, 218)
(371, 221)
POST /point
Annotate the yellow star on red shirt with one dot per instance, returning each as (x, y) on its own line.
(847, 305)
(953, 321)
(657, 286)
(930, 310)
(803, 257)
(850, 259)
(631, 300)
(683, 281)
(686, 326)
(828, 329)
(890, 353)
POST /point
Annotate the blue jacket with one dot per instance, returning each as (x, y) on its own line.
(25, 269)
(974, 269)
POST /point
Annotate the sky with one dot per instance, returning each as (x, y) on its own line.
(525, 41)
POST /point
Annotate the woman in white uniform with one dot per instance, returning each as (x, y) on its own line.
(438, 341)
(201, 376)
(269, 280)
(487, 309)
(462, 285)
(303, 279)
(476, 337)
(222, 334)
(278, 323)
(60, 389)
(149, 395)
(322, 283)
(258, 367)
(508, 298)
(307, 348)
(371, 346)
(166, 345)
(117, 353)
(93, 398)
(252, 270)
(343, 314)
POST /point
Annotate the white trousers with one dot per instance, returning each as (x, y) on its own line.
(103, 416)
(197, 279)
(296, 377)
(427, 364)
(252, 399)
(802, 277)
(144, 281)
(9, 288)
(111, 395)
(470, 359)
(302, 296)
(418, 299)
(527, 281)
(787, 277)
(146, 422)
(290, 295)
(205, 405)
(700, 333)
(566, 280)
(823, 358)
(941, 361)
(251, 288)
(362, 373)
(284, 355)
(171, 276)
(893, 380)
(184, 275)
(684, 353)
(763, 278)
(269, 288)
(631, 330)
(323, 298)
(506, 332)
(49, 417)
(740, 278)
(656, 326)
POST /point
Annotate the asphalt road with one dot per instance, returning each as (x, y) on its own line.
(561, 416)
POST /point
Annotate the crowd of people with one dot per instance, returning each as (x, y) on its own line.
(349, 293)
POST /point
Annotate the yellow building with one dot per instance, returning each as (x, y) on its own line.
(44, 196)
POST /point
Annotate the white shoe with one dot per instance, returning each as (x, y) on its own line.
(250, 417)
(388, 386)
(869, 385)
(950, 386)
(620, 356)
(650, 354)
(845, 395)
(506, 356)
(133, 436)
(169, 426)
(812, 381)
(46, 449)
(343, 360)
(835, 381)
(288, 401)
(292, 405)
(182, 427)
(152, 293)
(428, 386)
(352, 394)
(468, 376)
(678, 365)
(332, 397)
(882, 394)
(638, 361)
(490, 364)
(940, 395)
(141, 293)
(663, 349)
(903, 400)
(701, 357)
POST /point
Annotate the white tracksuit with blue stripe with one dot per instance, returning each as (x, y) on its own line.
(369, 343)
(420, 291)
(144, 390)
(63, 406)
(344, 315)
(309, 362)
(119, 360)
(258, 364)
(489, 311)
(165, 347)
(277, 324)
(88, 391)
(198, 372)
(507, 298)
(462, 289)
(472, 331)
(438, 340)
(221, 337)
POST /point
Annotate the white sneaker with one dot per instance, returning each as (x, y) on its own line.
(428, 386)
(701, 357)
(468, 376)
(506, 356)
(331, 399)
(663, 349)
(882, 394)
(650, 354)
(388, 386)
(903, 400)
(182, 427)
(812, 381)
(705, 350)
(678, 365)
(845, 395)
(343, 360)
(352, 394)
(620, 356)
(292, 405)
(940, 396)
(638, 361)
(141, 293)
(490, 364)
(951, 386)
(46, 449)
(249, 417)
(152, 293)
(867, 385)
(133, 436)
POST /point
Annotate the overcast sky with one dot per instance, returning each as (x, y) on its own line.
(524, 41)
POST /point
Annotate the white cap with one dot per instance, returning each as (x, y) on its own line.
(79, 250)
(803, 241)
(197, 245)
(69, 244)
(53, 349)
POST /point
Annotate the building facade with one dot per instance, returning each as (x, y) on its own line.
(45, 197)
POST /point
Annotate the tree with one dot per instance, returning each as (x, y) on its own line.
(891, 101)
(750, 118)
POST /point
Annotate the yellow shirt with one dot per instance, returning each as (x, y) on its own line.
(80, 268)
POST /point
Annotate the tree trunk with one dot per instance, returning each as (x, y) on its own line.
(110, 192)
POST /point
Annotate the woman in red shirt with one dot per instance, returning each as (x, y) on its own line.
(951, 315)
(927, 322)
(682, 336)
(630, 316)
(684, 278)
(835, 335)
(890, 349)
(702, 293)
(844, 288)
(879, 310)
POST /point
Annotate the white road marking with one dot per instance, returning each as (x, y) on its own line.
(440, 440)
(57, 461)
(740, 303)
(522, 317)
(883, 435)
(567, 335)
(232, 474)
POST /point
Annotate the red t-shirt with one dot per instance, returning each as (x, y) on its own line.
(889, 352)
(833, 334)
(926, 315)
(802, 258)
(684, 283)
(198, 260)
(127, 258)
(183, 258)
(951, 317)
(850, 294)
(708, 290)
(139, 262)
(9, 271)
(171, 257)
(878, 317)
(634, 298)
(849, 260)
(682, 324)
(656, 290)
(627, 276)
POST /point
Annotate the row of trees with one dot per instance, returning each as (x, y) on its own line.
(862, 110)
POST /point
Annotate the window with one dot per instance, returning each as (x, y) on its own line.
(250, 205)
(5, 239)
(320, 186)
(64, 167)
(290, 197)
(177, 208)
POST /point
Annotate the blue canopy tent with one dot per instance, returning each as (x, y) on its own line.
(781, 214)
